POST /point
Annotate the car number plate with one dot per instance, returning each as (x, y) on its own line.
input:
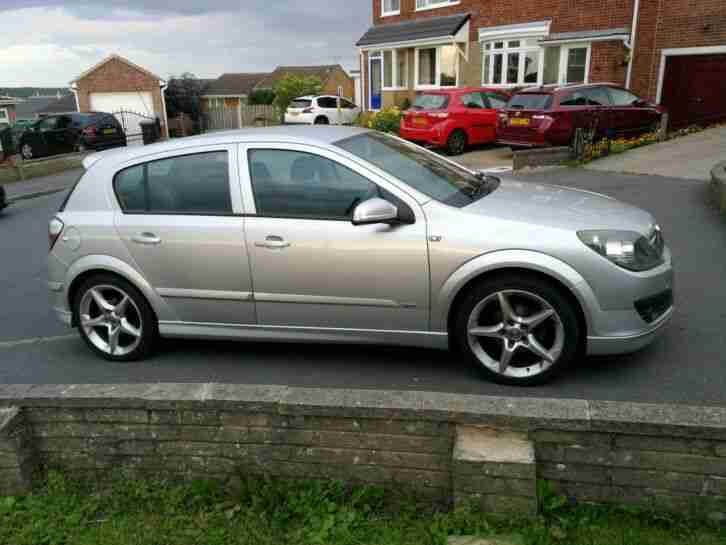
(519, 121)
(109, 131)
(421, 121)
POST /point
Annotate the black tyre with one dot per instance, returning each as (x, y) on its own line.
(518, 329)
(457, 142)
(114, 318)
(3, 198)
(322, 120)
(82, 147)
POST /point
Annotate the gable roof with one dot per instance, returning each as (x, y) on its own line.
(321, 72)
(63, 105)
(115, 57)
(239, 84)
(421, 29)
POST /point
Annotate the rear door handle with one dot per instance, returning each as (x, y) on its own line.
(149, 239)
(273, 243)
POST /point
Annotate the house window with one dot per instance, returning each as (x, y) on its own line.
(511, 62)
(388, 69)
(567, 64)
(402, 69)
(391, 7)
(437, 66)
(433, 4)
(394, 69)
(3, 114)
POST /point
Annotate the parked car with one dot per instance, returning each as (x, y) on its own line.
(67, 133)
(454, 119)
(347, 235)
(549, 115)
(3, 198)
(321, 110)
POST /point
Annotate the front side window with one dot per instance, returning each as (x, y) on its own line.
(195, 184)
(294, 184)
(420, 169)
(597, 96)
(474, 101)
(621, 97)
(48, 124)
(511, 62)
(391, 7)
(575, 98)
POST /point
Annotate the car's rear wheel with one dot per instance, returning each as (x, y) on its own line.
(322, 120)
(519, 330)
(456, 144)
(115, 319)
(27, 151)
(82, 147)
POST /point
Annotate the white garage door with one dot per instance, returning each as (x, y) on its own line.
(129, 108)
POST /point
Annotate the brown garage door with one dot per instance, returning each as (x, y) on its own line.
(694, 87)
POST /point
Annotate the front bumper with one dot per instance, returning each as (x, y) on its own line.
(601, 346)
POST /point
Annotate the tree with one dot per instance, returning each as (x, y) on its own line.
(263, 96)
(291, 87)
(183, 95)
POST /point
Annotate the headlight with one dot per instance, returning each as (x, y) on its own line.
(627, 249)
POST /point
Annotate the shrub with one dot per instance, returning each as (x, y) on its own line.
(263, 96)
(291, 87)
(387, 120)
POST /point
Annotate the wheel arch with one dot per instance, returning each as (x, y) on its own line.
(569, 281)
(88, 266)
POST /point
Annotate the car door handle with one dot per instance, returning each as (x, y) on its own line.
(149, 239)
(273, 243)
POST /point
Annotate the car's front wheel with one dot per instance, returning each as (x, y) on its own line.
(519, 329)
(115, 319)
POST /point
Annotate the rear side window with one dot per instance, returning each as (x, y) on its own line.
(530, 101)
(430, 101)
(190, 184)
(301, 104)
(497, 101)
(575, 98)
(327, 102)
(473, 100)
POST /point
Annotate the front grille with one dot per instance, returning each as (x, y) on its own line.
(652, 308)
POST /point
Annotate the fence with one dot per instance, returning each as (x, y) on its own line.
(132, 123)
(259, 115)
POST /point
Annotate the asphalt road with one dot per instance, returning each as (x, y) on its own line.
(687, 365)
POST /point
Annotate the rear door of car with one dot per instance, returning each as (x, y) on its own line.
(599, 106)
(329, 108)
(181, 218)
(479, 117)
(49, 136)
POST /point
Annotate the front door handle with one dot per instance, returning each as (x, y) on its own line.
(149, 239)
(273, 243)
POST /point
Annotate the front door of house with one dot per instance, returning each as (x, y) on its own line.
(376, 83)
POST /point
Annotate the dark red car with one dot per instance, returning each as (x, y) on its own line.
(454, 119)
(549, 115)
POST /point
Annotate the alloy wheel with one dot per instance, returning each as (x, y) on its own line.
(111, 320)
(516, 334)
(26, 151)
(457, 143)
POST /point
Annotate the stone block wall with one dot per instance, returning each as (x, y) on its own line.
(443, 449)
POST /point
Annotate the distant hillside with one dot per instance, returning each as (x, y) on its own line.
(25, 92)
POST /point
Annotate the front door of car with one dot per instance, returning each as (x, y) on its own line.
(43, 138)
(329, 108)
(181, 221)
(481, 119)
(311, 266)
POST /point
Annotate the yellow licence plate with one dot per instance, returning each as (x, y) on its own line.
(109, 131)
(419, 121)
(519, 122)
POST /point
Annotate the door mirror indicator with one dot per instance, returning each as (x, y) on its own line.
(375, 211)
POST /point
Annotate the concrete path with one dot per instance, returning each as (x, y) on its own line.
(691, 157)
(46, 185)
(486, 157)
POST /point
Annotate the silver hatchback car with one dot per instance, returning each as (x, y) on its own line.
(331, 234)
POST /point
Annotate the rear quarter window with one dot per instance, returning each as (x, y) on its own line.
(301, 104)
(530, 101)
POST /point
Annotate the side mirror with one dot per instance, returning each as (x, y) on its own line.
(374, 211)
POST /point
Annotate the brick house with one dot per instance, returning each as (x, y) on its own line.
(334, 78)
(673, 53)
(228, 93)
(116, 84)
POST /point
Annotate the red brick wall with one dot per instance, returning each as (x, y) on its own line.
(117, 76)
(607, 62)
(566, 15)
(673, 24)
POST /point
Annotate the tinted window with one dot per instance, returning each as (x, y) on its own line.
(347, 105)
(621, 97)
(64, 122)
(428, 101)
(530, 101)
(597, 96)
(190, 184)
(575, 98)
(327, 102)
(420, 169)
(496, 101)
(473, 100)
(48, 124)
(294, 184)
(301, 103)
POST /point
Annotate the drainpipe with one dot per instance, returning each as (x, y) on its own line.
(74, 90)
(163, 108)
(631, 45)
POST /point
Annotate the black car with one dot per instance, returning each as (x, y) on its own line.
(68, 133)
(3, 200)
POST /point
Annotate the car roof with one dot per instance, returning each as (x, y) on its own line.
(324, 135)
(571, 86)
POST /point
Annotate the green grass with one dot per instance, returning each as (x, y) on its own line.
(127, 512)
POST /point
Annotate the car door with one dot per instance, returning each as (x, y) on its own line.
(180, 217)
(482, 118)
(65, 134)
(350, 111)
(41, 137)
(329, 108)
(598, 102)
(312, 268)
(630, 113)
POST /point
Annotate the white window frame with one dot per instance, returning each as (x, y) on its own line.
(437, 84)
(5, 115)
(564, 50)
(394, 70)
(391, 13)
(436, 4)
(522, 50)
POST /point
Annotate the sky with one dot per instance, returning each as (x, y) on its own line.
(50, 42)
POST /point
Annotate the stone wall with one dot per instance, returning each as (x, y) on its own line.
(441, 448)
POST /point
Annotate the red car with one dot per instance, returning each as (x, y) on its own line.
(454, 119)
(549, 115)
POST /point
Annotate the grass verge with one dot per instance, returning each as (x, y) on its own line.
(261, 512)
